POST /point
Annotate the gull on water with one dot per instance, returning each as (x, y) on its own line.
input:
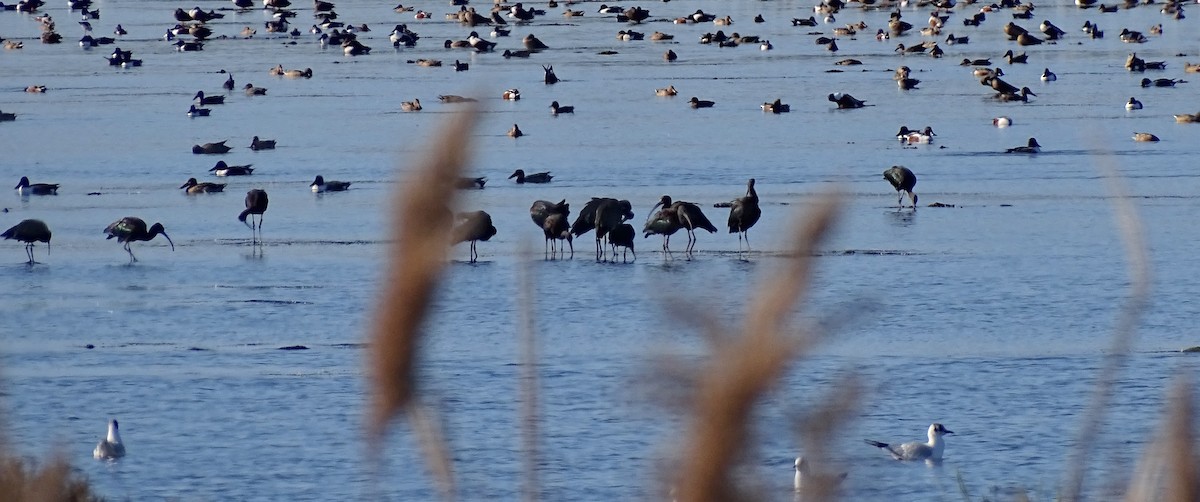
(805, 476)
(930, 451)
(110, 447)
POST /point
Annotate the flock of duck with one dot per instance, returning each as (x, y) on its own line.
(606, 216)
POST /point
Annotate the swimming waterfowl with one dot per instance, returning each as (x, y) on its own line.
(1048, 76)
(277, 71)
(461, 66)
(848, 62)
(250, 90)
(629, 35)
(930, 451)
(1133, 104)
(723, 21)
(670, 55)
(223, 169)
(700, 103)
(610, 9)
(198, 112)
(192, 186)
(516, 54)
(1187, 118)
(7, 117)
(211, 148)
(1051, 31)
(36, 89)
(882, 35)
(846, 101)
(411, 106)
(765, 46)
(1191, 68)
(907, 83)
(13, 45)
(953, 40)
(454, 98)
(659, 36)
(354, 48)
(319, 185)
(555, 109)
(111, 446)
(515, 132)
(910, 50)
(1026, 39)
(428, 63)
(633, 15)
(976, 62)
(1161, 82)
(511, 95)
(24, 187)
(1001, 121)
(1015, 59)
(903, 180)
(306, 73)
(262, 144)
(192, 46)
(666, 91)
(1013, 31)
(1144, 137)
(533, 43)
(523, 178)
(911, 137)
(572, 13)
(1022, 95)
(776, 107)
(1132, 37)
(463, 183)
(1031, 147)
(456, 44)
(208, 100)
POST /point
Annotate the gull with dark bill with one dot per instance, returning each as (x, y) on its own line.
(930, 451)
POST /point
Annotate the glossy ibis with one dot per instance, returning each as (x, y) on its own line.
(677, 215)
(29, 232)
(256, 203)
(552, 219)
(602, 215)
(903, 180)
(475, 226)
(130, 228)
(743, 214)
(623, 236)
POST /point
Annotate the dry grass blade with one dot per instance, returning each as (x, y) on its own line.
(1168, 469)
(1130, 227)
(421, 225)
(52, 482)
(529, 379)
(744, 368)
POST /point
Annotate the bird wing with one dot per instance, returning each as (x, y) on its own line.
(691, 216)
(586, 221)
(539, 211)
(896, 454)
(893, 176)
(124, 227)
(914, 451)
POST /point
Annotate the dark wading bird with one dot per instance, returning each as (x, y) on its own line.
(476, 226)
(602, 214)
(743, 214)
(903, 180)
(29, 232)
(256, 203)
(623, 236)
(676, 215)
(552, 219)
(130, 228)
(24, 187)
(522, 178)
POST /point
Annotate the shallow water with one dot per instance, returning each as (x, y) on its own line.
(991, 317)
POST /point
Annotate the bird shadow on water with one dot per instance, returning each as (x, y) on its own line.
(902, 217)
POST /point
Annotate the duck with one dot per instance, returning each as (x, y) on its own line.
(1051, 31)
(910, 137)
(211, 148)
(846, 101)
(454, 98)
(953, 40)
(1026, 39)
(411, 106)
(556, 109)
(511, 95)
(516, 54)
(192, 46)
(250, 90)
(319, 185)
(630, 35)
(1022, 95)
(277, 71)
(1002, 121)
(461, 66)
(670, 55)
(468, 183)
(659, 36)
(223, 169)
(191, 186)
(776, 107)
(262, 144)
(306, 73)
(523, 178)
(1187, 118)
(1144, 137)
(1031, 147)
(428, 63)
(700, 103)
(515, 132)
(848, 62)
(111, 446)
(765, 45)
(976, 62)
(723, 21)
(208, 100)
(36, 89)
(1191, 68)
(1133, 104)
(1160, 82)
(666, 91)
(24, 187)
(1048, 76)
(1015, 59)
(533, 43)
(198, 112)
(1132, 37)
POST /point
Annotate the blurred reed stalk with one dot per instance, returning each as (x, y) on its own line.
(1129, 226)
(421, 222)
(744, 367)
(25, 481)
(529, 377)
(1168, 470)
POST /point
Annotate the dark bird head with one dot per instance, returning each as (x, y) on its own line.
(156, 229)
(23, 183)
(626, 209)
(220, 165)
(519, 173)
(191, 182)
(940, 429)
(1033, 143)
(319, 181)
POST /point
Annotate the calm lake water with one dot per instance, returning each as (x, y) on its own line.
(991, 317)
